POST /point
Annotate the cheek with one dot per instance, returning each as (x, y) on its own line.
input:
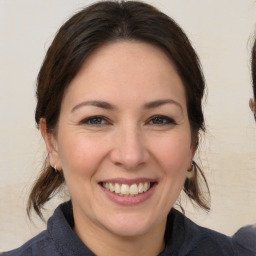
(81, 155)
(174, 155)
(80, 158)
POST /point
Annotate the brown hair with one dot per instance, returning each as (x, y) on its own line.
(254, 69)
(89, 29)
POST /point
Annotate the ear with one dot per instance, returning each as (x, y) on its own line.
(51, 145)
(191, 158)
(192, 154)
(252, 105)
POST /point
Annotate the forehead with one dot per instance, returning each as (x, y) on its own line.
(139, 69)
(144, 56)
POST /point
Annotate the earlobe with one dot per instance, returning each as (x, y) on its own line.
(50, 144)
(192, 155)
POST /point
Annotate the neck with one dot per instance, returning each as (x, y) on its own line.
(102, 242)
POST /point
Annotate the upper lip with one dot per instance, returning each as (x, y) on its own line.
(128, 181)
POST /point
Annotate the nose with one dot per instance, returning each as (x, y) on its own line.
(129, 149)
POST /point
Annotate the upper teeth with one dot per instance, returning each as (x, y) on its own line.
(125, 190)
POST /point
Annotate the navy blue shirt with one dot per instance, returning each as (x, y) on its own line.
(182, 237)
(246, 236)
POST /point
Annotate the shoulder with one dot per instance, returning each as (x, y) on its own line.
(192, 239)
(41, 245)
(246, 237)
(44, 243)
(58, 239)
(204, 241)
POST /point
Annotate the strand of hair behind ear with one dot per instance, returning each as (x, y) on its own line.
(44, 188)
(194, 191)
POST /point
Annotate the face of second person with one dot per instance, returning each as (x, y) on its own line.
(123, 139)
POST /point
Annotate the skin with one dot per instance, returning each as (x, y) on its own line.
(252, 106)
(125, 141)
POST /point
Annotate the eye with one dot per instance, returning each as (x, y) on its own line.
(95, 121)
(161, 120)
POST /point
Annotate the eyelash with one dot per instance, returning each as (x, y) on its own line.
(157, 120)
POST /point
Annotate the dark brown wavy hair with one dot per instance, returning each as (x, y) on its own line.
(89, 29)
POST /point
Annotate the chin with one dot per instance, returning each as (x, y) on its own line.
(130, 226)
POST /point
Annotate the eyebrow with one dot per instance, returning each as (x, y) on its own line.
(96, 103)
(159, 103)
(106, 105)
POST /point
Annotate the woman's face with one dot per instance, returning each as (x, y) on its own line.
(123, 139)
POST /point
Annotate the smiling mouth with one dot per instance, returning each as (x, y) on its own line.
(128, 190)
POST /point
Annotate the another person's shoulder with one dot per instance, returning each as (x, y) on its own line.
(41, 245)
(198, 240)
(246, 237)
(213, 243)
(205, 241)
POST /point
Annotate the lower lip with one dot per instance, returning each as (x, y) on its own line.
(129, 200)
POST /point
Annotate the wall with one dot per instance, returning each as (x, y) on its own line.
(219, 30)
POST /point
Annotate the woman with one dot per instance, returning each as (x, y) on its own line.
(119, 108)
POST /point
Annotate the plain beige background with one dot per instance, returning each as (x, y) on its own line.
(220, 31)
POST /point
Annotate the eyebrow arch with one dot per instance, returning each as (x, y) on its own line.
(159, 103)
(96, 103)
